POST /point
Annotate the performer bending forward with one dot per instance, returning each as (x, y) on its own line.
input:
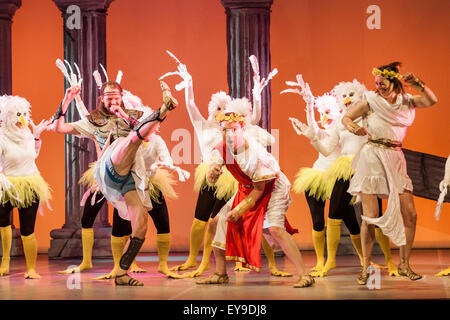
(260, 202)
(380, 167)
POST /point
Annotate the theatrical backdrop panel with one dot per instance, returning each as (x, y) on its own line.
(326, 41)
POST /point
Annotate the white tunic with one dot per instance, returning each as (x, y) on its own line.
(382, 171)
(258, 165)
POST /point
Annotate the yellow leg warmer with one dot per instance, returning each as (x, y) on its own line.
(30, 250)
(268, 251)
(163, 246)
(197, 233)
(333, 237)
(117, 246)
(6, 236)
(87, 240)
(356, 240)
(319, 246)
(383, 241)
(204, 264)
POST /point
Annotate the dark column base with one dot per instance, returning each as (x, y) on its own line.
(66, 243)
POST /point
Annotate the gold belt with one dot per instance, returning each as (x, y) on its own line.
(385, 143)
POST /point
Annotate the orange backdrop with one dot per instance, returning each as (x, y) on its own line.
(327, 41)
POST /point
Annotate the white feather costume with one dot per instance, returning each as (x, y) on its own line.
(20, 181)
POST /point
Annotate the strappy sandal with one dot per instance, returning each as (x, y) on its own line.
(363, 277)
(131, 281)
(407, 272)
(305, 281)
(214, 279)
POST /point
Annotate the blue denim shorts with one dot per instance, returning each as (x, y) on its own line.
(113, 180)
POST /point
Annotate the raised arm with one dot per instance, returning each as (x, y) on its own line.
(60, 125)
(258, 86)
(420, 101)
(187, 84)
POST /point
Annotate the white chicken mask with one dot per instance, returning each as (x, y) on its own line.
(349, 94)
(218, 102)
(15, 117)
(328, 108)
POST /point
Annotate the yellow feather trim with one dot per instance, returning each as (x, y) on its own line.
(312, 181)
(163, 182)
(226, 185)
(340, 169)
(87, 179)
(200, 181)
(30, 189)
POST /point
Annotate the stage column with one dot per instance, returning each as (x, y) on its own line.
(84, 29)
(248, 32)
(7, 10)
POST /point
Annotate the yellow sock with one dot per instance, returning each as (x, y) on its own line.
(356, 240)
(163, 246)
(30, 250)
(385, 246)
(268, 251)
(333, 238)
(197, 233)
(207, 249)
(117, 246)
(87, 240)
(6, 236)
(319, 246)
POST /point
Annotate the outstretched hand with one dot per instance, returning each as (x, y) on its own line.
(302, 129)
(42, 126)
(305, 91)
(181, 71)
(258, 84)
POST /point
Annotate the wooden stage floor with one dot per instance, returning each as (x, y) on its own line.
(340, 284)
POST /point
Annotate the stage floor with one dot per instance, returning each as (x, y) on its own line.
(340, 284)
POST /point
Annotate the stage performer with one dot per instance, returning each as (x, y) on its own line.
(120, 172)
(21, 185)
(380, 167)
(310, 181)
(443, 187)
(212, 197)
(260, 202)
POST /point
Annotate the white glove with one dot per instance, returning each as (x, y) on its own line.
(42, 126)
(182, 72)
(303, 129)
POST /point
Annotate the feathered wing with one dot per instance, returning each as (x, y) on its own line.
(261, 135)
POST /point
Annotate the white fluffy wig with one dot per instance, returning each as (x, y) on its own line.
(240, 106)
(218, 102)
(328, 107)
(349, 93)
(12, 109)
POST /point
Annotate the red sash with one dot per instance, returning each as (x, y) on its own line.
(243, 241)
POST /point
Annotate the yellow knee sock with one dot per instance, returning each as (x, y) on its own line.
(333, 237)
(356, 240)
(163, 246)
(319, 246)
(204, 264)
(30, 250)
(6, 236)
(268, 251)
(385, 246)
(197, 233)
(117, 246)
(87, 240)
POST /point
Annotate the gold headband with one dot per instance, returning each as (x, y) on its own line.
(230, 117)
(389, 74)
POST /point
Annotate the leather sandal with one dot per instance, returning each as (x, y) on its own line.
(407, 272)
(131, 281)
(305, 281)
(214, 279)
(363, 277)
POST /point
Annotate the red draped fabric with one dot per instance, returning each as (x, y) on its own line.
(243, 241)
